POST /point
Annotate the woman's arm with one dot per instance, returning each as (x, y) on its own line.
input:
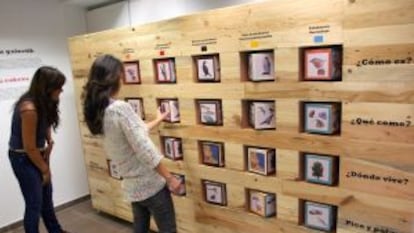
(160, 116)
(172, 181)
(29, 119)
(50, 144)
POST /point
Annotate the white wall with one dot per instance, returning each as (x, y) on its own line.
(145, 11)
(112, 16)
(43, 25)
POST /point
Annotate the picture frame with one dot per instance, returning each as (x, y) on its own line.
(212, 153)
(165, 70)
(208, 68)
(172, 106)
(261, 66)
(214, 192)
(182, 191)
(262, 203)
(261, 160)
(321, 169)
(262, 115)
(113, 170)
(320, 216)
(137, 105)
(323, 64)
(322, 118)
(209, 112)
(173, 148)
(131, 73)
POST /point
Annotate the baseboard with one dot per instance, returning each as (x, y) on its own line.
(19, 223)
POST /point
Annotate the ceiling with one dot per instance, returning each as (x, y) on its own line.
(90, 4)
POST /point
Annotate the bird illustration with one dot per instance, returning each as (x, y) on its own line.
(131, 74)
(206, 72)
(268, 119)
(318, 63)
(266, 66)
(163, 71)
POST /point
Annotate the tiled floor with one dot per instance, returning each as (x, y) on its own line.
(82, 218)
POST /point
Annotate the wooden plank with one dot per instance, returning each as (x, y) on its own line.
(376, 178)
(378, 122)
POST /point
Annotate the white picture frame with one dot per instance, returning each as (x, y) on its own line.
(319, 216)
(321, 118)
(261, 160)
(131, 73)
(262, 115)
(208, 68)
(210, 112)
(261, 66)
(262, 203)
(215, 192)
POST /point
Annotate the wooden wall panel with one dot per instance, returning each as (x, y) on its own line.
(376, 167)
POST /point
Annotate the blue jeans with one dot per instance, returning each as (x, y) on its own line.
(161, 207)
(37, 197)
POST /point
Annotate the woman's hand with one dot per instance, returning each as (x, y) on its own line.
(174, 184)
(162, 115)
(46, 177)
(48, 151)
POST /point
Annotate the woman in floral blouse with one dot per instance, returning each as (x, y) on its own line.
(146, 181)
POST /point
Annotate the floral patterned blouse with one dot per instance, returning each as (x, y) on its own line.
(128, 145)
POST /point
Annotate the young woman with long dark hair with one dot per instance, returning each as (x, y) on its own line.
(35, 114)
(146, 181)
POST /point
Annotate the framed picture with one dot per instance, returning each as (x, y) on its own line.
(262, 114)
(170, 105)
(113, 169)
(173, 148)
(214, 192)
(212, 153)
(181, 178)
(322, 118)
(165, 70)
(210, 112)
(131, 70)
(262, 203)
(323, 63)
(261, 66)
(261, 160)
(320, 216)
(137, 105)
(321, 169)
(208, 68)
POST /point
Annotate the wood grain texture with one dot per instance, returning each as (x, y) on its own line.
(376, 95)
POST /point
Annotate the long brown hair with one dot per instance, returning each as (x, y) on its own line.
(45, 80)
(103, 82)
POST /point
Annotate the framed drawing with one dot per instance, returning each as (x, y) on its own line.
(262, 203)
(321, 169)
(165, 70)
(261, 160)
(113, 170)
(181, 178)
(322, 118)
(262, 114)
(173, 148)
(320, 216)
(214, 192)
(170, 105)
(210, 112)
(261, 66)
(212, 153)
(208, 68)
(137, 105)
(131, 73)
(323, 63)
